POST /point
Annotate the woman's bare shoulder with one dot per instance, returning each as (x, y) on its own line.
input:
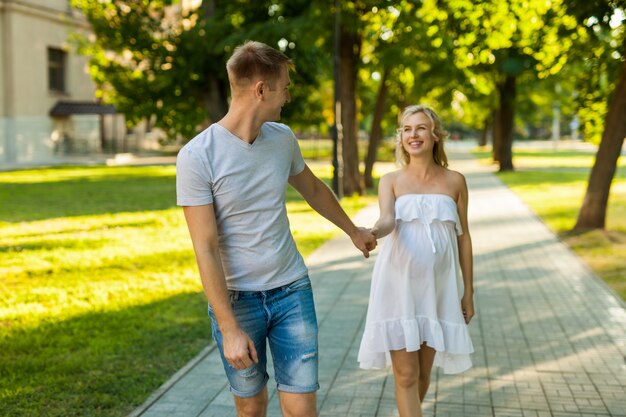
(391, 177)
(454, 177)
(455, 182)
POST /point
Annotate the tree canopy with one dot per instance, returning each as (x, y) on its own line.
(159, 61)
(504, 65)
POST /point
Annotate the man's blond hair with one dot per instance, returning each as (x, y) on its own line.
(256, 61)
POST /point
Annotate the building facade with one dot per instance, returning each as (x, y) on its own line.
(47, 99)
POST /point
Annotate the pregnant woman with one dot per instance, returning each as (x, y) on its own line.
(421, 297)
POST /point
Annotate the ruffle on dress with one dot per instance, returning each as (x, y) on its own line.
(428, 208)
(451, 341)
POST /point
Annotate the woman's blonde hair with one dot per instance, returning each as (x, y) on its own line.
(437, 131)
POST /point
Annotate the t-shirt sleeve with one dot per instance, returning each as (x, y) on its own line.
(193, 180)
(297, 161)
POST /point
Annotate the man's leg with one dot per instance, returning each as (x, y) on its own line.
(298, 405)
(252, 406)
(293, 343)
(247, 385)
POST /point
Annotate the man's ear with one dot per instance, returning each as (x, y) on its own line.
(259, 88)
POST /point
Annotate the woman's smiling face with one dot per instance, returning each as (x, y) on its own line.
(417, 134)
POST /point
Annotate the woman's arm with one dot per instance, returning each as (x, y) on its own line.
(465, 251)
(386, 202)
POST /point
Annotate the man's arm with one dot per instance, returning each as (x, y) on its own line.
(322, 200)
(238, 347)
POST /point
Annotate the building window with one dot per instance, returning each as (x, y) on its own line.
(56, 69)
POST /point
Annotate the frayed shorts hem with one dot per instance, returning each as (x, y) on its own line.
(298, 390)
(250, 394)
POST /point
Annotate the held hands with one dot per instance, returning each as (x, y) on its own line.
(239, 349)
(364, 240)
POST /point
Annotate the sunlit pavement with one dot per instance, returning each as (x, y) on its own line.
(550, 337)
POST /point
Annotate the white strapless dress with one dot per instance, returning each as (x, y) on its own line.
(417, 286)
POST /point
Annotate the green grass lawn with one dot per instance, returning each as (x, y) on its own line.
(553, 184)
(100, 301)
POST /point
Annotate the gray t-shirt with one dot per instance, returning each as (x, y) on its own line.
(246, 183)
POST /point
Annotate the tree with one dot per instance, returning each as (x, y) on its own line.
(409, 62)
(376, 131)
(349, 56)
(383, 54)
(354, 17)
(156, 60)
(506, 39)
(139, 59)
(598, 17)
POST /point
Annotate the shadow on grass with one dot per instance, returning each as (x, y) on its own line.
(101, 363)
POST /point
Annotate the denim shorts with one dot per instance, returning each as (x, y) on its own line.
(285, 318)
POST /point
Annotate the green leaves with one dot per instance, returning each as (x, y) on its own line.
(157, 60)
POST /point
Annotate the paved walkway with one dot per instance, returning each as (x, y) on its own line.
(550, 338)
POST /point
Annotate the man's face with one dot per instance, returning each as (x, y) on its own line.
(277, 96)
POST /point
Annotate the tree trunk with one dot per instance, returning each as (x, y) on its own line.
(482, 140)
(208, 8)
(593, 211)
(349, 51)
(215, 99)
(507, 113)
(496, 135)
(376, 132)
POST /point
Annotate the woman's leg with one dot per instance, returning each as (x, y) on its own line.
(426, 359)
(406, 371)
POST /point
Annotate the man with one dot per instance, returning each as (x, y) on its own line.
(231, 181)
